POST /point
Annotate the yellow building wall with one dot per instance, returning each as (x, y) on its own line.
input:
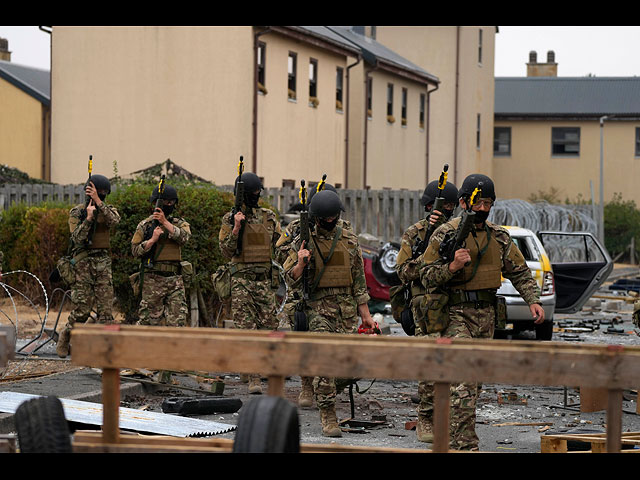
(295, 140)
(140, 95)
(21, 133)
(531, 168)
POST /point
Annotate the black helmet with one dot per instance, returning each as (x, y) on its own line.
(450, 193)
(471, 183)
(325, 203)
(101, 183)
(326, 186)
(251, 182)
(170, 193)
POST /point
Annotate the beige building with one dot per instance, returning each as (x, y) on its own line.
(369, 113)
(548, 133)
(25, 116)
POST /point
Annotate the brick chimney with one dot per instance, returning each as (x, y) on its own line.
(535, 69)
(5, 54)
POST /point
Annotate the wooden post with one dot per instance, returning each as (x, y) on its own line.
(275, 386)
(614, 421)
(593, 399)
(111, 405)
(441, 417)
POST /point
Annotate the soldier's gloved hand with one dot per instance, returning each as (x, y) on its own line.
(537, 312)
(461, 258)
(237, 222)
(91, 208)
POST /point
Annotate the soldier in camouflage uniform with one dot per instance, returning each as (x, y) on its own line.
(163, 300)
(90, 231)
(471, 280)
(253, 284)
(407, 267)
(338, 289)
(636, 313)
(305, 399)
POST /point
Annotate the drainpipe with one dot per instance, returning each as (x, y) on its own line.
(254, 160)
(428, 120)
(455, 131)
(346, 140)
(366, 125)
(45, 169)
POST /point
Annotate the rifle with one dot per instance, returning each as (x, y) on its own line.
(300, 317)
(420, 246)
(147, 261)
(449, 247)
(238, 205)
(87, 201)
(320, 185)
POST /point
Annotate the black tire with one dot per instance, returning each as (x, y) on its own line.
(42, 427)
(268, 425)
(544, 331)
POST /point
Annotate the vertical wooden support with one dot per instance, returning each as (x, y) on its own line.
(111, 405)
(593, 399)
(275, 386)
(441, 417)
(614, 421)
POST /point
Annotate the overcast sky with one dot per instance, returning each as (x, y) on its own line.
(601, 51)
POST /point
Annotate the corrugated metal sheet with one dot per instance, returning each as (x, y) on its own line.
(130, 419)
(579, 96)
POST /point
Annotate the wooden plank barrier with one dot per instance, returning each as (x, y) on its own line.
(281, 354)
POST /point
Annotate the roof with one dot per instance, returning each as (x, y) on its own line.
(567, 96)
(375, 53)
(33, 81)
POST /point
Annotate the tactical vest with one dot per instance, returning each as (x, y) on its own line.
(337, 271)
(101, 235)
(168, 250)
(488, 272)
(256, 243)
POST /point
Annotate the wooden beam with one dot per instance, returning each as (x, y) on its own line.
(276, 386)
(441, 417)
(111, 405)
(357, 356)
(593, 399)
(614, 421)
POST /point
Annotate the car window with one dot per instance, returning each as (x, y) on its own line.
(524, 247)
(572, 249)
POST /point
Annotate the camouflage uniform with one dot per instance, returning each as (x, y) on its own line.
(331, 309)
(408, 270)
(253, 300)
(163, 301)
(474, 319)
(93, 281)
(636, 313)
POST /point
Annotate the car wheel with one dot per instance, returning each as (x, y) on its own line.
(42, 426)
(268, 425)
(385, 264)
(544, 331)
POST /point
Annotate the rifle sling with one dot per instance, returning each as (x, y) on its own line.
(325, 260)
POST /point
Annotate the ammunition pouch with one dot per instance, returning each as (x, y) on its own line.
(221, 281)
(501, 312)
(134, 280)
(436, 304)
(187, 272)
(66, 267)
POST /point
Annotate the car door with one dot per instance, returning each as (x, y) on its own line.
(580, 265)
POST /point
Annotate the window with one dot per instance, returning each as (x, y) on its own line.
(262, 50)
(339, 81)
(480, 46)
(422, 108)
(390, 118)
(404, 106)
(637, 141)
(565, 141)
(369, 97)
(478, 131)
(313, 82)
(502, 141)
(292, 66)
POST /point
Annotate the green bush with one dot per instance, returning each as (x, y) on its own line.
(621, 224)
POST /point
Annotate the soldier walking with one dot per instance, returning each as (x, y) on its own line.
(470, 280)
(338, 291)
(158, 242)
(90, 226)
(413, 244)
(247, 238)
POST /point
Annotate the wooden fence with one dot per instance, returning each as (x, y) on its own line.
(383, 213)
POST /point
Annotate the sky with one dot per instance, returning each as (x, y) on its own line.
(579, 50)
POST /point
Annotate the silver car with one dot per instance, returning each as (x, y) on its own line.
(569, 268)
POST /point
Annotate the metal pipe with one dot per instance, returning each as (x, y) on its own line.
(601, 219)
(346, 139)
(428, 121)
(254, 160)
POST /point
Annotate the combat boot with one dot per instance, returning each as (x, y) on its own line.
(330, 427)
(62, 346)
(305, 399)
(255, 385)
(424, 429)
